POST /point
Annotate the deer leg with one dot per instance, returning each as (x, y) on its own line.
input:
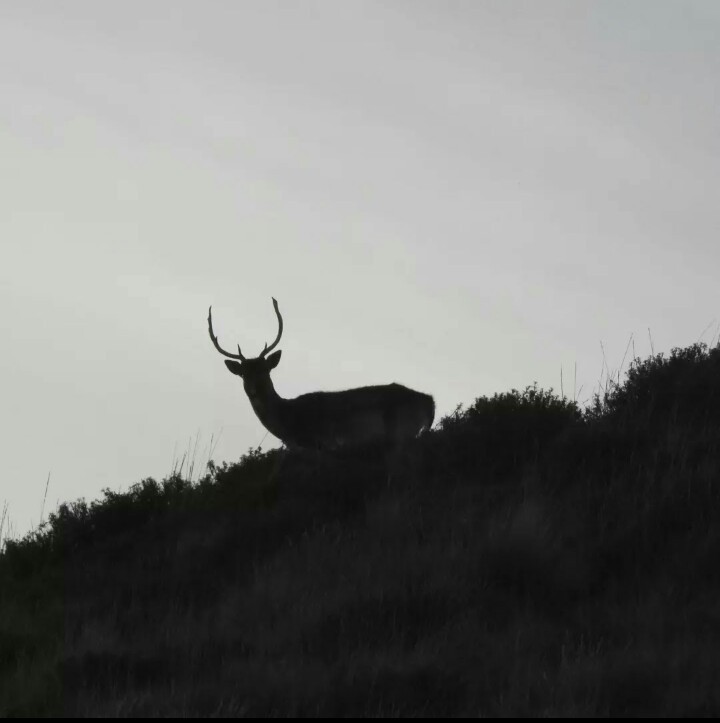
(275, 471)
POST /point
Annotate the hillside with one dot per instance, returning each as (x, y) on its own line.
(524, 558)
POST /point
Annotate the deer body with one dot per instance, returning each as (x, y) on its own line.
(328, 420)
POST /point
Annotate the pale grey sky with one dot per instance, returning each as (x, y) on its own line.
(458, 196)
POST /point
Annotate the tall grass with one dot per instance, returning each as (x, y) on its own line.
(4, 524)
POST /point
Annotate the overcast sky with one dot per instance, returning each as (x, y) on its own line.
(463, 197)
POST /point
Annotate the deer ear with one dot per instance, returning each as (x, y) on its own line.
(234, 367)
(273, 359)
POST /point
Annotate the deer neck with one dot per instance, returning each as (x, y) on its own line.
(267, 405)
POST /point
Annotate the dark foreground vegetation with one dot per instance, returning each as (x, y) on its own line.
(525, 558)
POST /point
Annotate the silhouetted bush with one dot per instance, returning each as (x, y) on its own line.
(496, 433)
(684, 387)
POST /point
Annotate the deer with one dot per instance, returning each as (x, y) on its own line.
(327, 421)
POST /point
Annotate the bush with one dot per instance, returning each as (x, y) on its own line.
(496, 433)
(684, 387)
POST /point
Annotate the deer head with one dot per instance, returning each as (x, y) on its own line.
(255, 373)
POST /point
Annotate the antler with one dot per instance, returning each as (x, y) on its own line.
(280, 331)
(239, 355)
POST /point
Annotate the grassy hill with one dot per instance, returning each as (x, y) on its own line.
(524, 558)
